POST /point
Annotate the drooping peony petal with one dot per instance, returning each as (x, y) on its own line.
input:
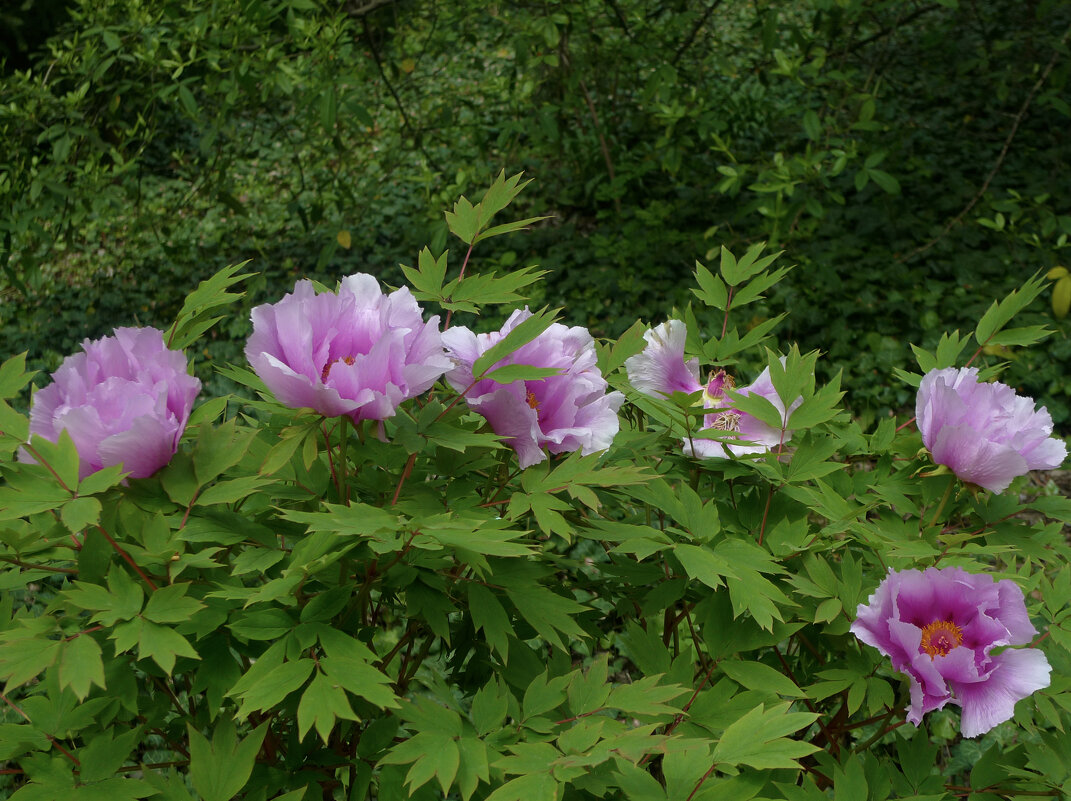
(1016, 675)
(985, 433)
(570, 411)
(660, 367)
(358, 352)
(124, 400)
(939, 627)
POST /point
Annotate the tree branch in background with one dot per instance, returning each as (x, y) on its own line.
(406, 122)
(1000, 159)
(695, 32)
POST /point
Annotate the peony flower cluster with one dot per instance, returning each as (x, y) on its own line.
(358, 352)
(940, 627)
(124, 400)
(984, 433)
(660, 370)
(562, 413)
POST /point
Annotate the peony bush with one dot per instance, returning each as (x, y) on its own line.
(413, 559)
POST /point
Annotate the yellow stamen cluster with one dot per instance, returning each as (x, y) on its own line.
(940, 637)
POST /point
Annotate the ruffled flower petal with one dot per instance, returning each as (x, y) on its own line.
(358, 352)
(124, 400)
(939, 627)
(659, 369)
(1016, 675)
(983, 432)
(562, 413)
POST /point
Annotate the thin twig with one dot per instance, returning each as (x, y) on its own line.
(127, 558)
(1000, 159)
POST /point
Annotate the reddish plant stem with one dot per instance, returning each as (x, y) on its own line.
(881, 733)
(728, 305)
(30, 566)
(405, 474)
(51, 739)
(699, 784)
(80, 633)
(1039, 639)
(41, 461)
(186, 516)
(769, 495)
(127, 558)
(330, 458)
(460, 278)
(905, 425)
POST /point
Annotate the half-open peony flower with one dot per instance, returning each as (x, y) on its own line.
(660, 370)
(984, 433)
(124, 399)
(940, 626)
(358, 352)
(566, 412)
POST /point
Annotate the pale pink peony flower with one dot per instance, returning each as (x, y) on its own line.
(984, 433)
(358, 352)
(660, 370)
(124, 401)
(939, 627)
(562, 413)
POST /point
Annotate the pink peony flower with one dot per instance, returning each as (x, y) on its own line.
(984, 433)
(358, 352)
(566, 412)
(124, 400)
(939, 627)
(660, 370)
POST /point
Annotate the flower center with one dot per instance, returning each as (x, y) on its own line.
(726, 421)
(940, 637)
(329, 365)
(531, 399)
(717, 385)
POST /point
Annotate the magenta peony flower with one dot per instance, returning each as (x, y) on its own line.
(358, 352)
(984, 433)
(124, 400)
(660, 370)
(566, 412)
(939, 627)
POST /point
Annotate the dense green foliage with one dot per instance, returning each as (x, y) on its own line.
(909, 179)
(302, 608)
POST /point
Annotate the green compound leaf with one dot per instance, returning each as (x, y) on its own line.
(221, 768)
(758, 739)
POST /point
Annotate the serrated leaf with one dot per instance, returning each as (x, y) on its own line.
(163, 645)
(1001, 312)
(321, 703)
(170, 605)
(758, 739)
(509, 373)
(757, 676)
(79, 513)
(522, 334)
(220, 769)
(646, 697)
(81, 666)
